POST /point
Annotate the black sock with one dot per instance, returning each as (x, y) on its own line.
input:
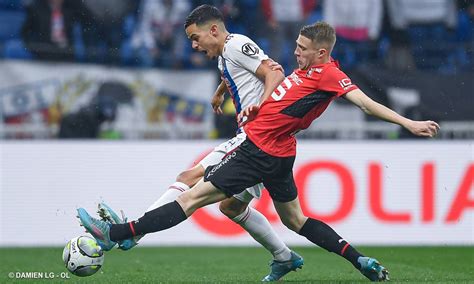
(324, 236)
(161, 218)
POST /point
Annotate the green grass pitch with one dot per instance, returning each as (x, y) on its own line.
(243, 264)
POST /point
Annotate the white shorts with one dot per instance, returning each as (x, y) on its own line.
(216, 156)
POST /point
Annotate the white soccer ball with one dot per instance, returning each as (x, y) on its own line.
(83, 256)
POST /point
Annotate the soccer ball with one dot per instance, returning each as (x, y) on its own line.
(83, 256)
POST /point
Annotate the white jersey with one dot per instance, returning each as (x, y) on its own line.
(238, 63)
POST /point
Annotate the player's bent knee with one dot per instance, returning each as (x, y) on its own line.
(232, 207)
(294, 224)
(186, 177)
(191, 176)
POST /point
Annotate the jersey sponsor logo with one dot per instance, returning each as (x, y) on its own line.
(250, 49)
(345, 83)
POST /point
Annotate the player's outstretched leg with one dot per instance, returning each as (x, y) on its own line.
(324, 236)
(281, 268)
(372, 269)
(99, 229)
(109, 215)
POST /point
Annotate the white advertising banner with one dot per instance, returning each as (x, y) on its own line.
(370, 192)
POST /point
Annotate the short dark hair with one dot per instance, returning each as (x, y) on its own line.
(202, 15)
(320, 33)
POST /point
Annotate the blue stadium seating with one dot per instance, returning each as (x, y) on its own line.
(14, 48)
(10, 24)
(11, 5)
(11, 21)
(465, 29)
(126, 50)
(434, 47)
(431, 45)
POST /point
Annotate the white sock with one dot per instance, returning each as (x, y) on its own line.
(170, 195)
(260, 229)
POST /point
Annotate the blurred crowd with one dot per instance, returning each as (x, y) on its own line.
(400, 34)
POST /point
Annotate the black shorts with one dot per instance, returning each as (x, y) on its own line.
(247, 166)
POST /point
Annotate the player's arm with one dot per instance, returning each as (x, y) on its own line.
(420, 128)
(218, 98)
(271, 77)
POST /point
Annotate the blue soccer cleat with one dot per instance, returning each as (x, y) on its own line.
(372, 269)
(109, 215)
(281, 268)
(99, 229)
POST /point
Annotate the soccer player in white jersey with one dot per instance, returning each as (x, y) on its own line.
(250, 78)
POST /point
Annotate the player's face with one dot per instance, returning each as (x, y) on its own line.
(203, 39)
(306, 53)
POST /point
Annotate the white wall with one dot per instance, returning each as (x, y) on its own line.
(42, 183)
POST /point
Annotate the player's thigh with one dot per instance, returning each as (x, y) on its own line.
(233, 207)
(191, 176)
(204, 193)
(291, 214)
(281, 187)
(283, 191)
(236, 205)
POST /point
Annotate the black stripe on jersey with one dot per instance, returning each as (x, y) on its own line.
(304, 105)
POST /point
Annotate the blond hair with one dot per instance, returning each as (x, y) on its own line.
(321, 34)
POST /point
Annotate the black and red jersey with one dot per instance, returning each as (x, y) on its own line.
(301, 98)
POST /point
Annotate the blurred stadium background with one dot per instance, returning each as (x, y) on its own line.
(105, 100)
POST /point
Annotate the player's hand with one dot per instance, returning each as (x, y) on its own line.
(216, 103)
(275, 66)
(247, 115)
(426, 128)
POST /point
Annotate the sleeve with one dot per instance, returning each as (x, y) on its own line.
(246, 53)
(336, 81)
